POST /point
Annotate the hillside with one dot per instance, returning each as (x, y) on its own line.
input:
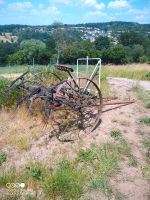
(85, 31)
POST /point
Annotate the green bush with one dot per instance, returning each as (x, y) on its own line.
(3, 157)
(148, 75)
(143, 59)
(6, 98)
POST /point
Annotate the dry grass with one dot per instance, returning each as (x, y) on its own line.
(135, 66)
(20, 129)
(133, 71)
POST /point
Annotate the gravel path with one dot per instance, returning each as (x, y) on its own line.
(128, 83)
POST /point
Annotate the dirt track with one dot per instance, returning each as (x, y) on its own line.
(129, 83)
(130, 180)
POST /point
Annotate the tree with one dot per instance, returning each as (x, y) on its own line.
(51, 44)
(130, 38)
(129, 54)
(102, 43)
(59, 36)
(17, 58)
(6, 49)
(32, 49)
(138, 51)
(115, 54)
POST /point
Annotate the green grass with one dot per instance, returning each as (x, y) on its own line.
(87, 155)
(3, 157)
(115, 133)
(7, 177)
(35, 170)
(103, 185)
(120, 196)
(30, 197)
(12, 176)
(65, 181)
(90, 170)
(145, 121)
(20, 68)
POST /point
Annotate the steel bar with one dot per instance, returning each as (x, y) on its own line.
(117, 102)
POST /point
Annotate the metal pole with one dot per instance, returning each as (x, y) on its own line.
(87, 63)
(33, 65)
(77, 71)
(100, 67)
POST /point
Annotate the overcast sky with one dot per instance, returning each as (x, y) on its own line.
(44, 12)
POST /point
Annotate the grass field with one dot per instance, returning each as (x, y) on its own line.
(133, 71)
(19, 68)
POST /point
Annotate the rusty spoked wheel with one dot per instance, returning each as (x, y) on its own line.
(91, 101)
(64, 123)
(79, 113)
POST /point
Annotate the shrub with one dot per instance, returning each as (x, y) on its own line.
(143, 59)
(148, 75)
(6, 98)
(3, 157)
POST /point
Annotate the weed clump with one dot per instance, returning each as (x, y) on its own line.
(145, 120)
(3, 157)
(103, 184)
(115, 133)
(35, 170)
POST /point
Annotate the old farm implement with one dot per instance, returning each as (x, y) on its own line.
(70, 106)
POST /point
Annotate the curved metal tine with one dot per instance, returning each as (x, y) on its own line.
(36, 75)
(84, 128)
(45, 122)
(60, 128)
(41, 80)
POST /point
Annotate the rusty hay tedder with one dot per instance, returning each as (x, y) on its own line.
(70, 106)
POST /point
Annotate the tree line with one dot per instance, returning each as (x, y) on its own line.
(67, 46)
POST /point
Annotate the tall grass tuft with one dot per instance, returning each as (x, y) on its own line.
(65, 181)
